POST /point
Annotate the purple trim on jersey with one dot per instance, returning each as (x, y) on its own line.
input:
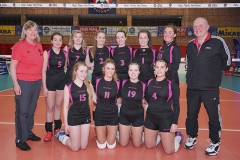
(154, 54)
(130, 48)
(97, 81)
(112, 52)
(86, 51)
(109, 50)
(169, 89)
(123, 82)
(70, 94)
(144, 87)
(118, 87)
(134, 52)
(171, 49)
(150, 80)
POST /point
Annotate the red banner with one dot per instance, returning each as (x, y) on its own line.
(88, 30)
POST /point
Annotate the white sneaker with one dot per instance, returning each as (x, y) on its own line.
(213, 148)
(190, 143)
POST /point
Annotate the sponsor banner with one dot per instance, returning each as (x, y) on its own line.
(211, 30)
(7, 30)
(3, 68)
(236, 71)
(104, 7)
(74, 28)
(112, 30)
(106, 4)
(88, 30)
(181, 31)
(49, 30)
(18, 30)
(228, 32)
(133, 31)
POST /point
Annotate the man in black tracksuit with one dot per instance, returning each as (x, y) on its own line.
(207, 56)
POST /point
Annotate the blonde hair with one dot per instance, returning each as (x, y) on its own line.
(27, 25)
(94, 48)
(109, 60)
(89, 88)
(71, 42)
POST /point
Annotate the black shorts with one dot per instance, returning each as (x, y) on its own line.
(75, 121)
(110, 122)
(128, 121)
(53, 85)
(153, 122)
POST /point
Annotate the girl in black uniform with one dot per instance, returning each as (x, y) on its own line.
(160, 116)
(132, 112)
(122, 56)
(53, 79)
(145, 56)
(106, 113)
(80, 94)
(99, 53)
(77, 52)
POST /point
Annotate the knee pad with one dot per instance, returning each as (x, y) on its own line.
(112, 145)
(101, 146)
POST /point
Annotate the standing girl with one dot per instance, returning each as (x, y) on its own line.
(145, 56)
(77, 52)
(122, 56)
(106, 113)
(99, 53)
(53, 78)
(132, 112)
(160, 116)
(79, 93)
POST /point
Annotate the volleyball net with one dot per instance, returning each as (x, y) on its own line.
(109, 16)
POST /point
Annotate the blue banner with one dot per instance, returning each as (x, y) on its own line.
(3, 68)
(104, 7)
(211, 30)
(74, 28)
(40, 30)
(160, 31)
(18, 30)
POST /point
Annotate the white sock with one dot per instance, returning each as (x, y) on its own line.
(158, 140)
(143, 137)
(146, 107)
(111, 146)
(177, 140)
(117, 136)
(63, 139)
(101, 146)
(119, 107)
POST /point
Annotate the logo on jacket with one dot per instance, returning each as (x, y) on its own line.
(207, 47)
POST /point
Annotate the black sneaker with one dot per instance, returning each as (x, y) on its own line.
(33, 137)
(23, 146)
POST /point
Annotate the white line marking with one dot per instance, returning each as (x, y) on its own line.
(5, 90)
(202, 129)
(230, 90)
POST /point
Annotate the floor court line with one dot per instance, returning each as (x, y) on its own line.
(202, 129)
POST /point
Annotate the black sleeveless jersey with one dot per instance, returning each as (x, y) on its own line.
(159, 95)
(106, 92)
(78, 96)
(56, 63)
(101, 55)
(122, 56)
(146, 57)
(132, 95)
